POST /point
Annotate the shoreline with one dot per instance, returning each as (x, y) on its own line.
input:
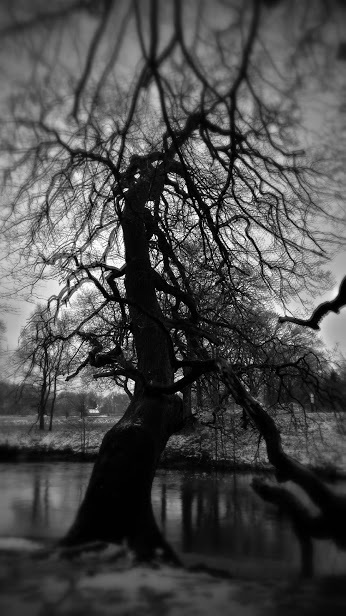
(17, 454)
(318, 442)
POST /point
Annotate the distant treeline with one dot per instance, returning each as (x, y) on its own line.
(16, 399)
(24, 399)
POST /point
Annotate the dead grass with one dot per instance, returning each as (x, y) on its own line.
(317, 439)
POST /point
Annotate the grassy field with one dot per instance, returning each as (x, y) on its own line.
(72, 433)
(315, 439)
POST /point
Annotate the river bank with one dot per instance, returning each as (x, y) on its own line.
(317, 440)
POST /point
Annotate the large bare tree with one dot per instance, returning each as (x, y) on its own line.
(144, 136)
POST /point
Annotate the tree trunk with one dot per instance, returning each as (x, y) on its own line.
(187, 402)
(199, 395)
(151, 339)
(52, 406)
(117, 505)
(44, 392)
(41, 419)
(42, 403)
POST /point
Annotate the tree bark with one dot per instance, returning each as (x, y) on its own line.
(52, 406)
(151, 340)
(42, 402)
(187, 402)
(117, 505)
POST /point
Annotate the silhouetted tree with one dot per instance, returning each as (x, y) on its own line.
(143, 130)
(40, 359)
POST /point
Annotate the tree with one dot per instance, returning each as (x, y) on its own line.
(40, 357)
(160, 128)
(17, 399)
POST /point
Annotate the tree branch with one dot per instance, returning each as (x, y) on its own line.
(95, 42)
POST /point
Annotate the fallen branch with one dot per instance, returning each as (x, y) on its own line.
(331, 521)
(305, 524)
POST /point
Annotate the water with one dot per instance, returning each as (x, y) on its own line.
(208, 518)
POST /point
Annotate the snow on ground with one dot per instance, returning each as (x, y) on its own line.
(318, 439)
(18, 544)
(70, 433)
(176, 591)
(89, 586)
(36, 587)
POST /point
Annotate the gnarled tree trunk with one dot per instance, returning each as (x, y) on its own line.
(117, 504)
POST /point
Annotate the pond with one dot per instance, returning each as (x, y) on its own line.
(209, 518)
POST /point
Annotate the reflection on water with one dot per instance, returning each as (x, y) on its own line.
(40, 500)
(213, 518)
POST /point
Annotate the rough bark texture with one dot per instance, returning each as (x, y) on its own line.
(117, 504)
(187, 402)
(151, 341)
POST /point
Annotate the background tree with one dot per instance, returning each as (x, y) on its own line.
(158, 128)
(40, 357)
(18, 399)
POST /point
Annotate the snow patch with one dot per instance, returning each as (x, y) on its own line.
(132, 580)
(18, 544)
(182, 592)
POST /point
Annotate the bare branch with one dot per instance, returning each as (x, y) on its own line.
(95, 43)
(322, 310)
